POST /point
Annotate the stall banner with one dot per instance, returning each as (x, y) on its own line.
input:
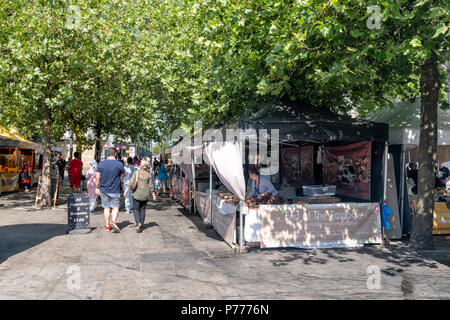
(172, 187)
(292, 174)
(9, 182)
(225, 225)
(186, 194)
(334, 225)
(252, 227)
(441, 218)
(307, 164)
(178, 185)
(348, 168)
(203, 205)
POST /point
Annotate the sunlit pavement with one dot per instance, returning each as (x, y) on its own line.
(178, 257)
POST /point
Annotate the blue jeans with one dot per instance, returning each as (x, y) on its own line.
(129, 202)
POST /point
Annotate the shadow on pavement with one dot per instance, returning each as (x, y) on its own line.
(397, 253)
(200, 225)
(149, 225)
(20, 237)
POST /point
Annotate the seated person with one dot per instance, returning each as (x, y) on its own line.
(442, 176)
(413, 174)
(260, 184)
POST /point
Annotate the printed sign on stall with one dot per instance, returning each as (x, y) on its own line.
(290, 158)
(348, 168)
(320, 225)
(307, 164)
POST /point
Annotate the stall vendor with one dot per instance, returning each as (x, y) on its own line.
(442, 176)
(260, 184)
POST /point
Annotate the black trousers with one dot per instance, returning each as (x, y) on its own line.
(139, 211)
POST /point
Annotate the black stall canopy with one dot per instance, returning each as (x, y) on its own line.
(298, 121)
(304, 123)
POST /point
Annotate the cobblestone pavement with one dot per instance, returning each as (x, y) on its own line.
(178, 257)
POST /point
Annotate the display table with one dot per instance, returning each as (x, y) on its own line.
(9, 181)
(441, 218)
(203, 205)
(223, 215)
(333, 225)
(441, 215)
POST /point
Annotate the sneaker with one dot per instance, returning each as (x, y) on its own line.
(115, 227)
(107, 228)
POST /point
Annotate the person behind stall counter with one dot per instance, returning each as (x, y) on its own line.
(442, 176)
(413, 173)
(260, 184)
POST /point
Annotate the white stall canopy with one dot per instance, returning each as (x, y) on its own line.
(226, 159)
(404, 123)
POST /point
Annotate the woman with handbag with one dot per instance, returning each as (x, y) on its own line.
(141, 185)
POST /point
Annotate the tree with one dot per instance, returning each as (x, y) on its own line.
(334, 54)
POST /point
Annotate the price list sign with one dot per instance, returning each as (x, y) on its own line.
(78, 213)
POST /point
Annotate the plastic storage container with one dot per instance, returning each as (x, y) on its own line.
(319, 190)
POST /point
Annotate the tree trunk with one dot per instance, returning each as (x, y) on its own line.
(98, 142)
(78, 139)
(46, 172)
(421, 237)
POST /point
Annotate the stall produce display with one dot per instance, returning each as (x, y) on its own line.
(315, 200)
(228, 197)
(265, 198)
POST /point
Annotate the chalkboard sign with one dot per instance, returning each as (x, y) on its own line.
(78, 213)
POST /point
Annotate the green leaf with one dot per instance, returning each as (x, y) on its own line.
(416, 42)
(356, 33)
(441, 30)
(437, 12)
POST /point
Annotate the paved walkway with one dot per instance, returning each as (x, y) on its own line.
(178, 257)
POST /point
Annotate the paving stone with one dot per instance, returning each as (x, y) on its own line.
(178, 257)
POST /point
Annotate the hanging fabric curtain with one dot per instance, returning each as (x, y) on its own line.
(225, 158)
(187, 169)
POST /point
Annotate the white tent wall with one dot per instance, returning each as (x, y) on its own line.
(404, 130)
(404, 123)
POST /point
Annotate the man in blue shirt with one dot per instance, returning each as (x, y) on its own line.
(109, 174)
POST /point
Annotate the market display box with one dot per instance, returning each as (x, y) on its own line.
(319, 190)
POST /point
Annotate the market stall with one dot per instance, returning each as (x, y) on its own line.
(14, 150)
(319, 148)
(404, 132)
(347, 154)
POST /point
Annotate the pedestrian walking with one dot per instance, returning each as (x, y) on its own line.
(109, 175)
(91, 177)
(75, 168)
(162, 177)
(141, 185)
(24, 177)
(129, 170)
(61, 163)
